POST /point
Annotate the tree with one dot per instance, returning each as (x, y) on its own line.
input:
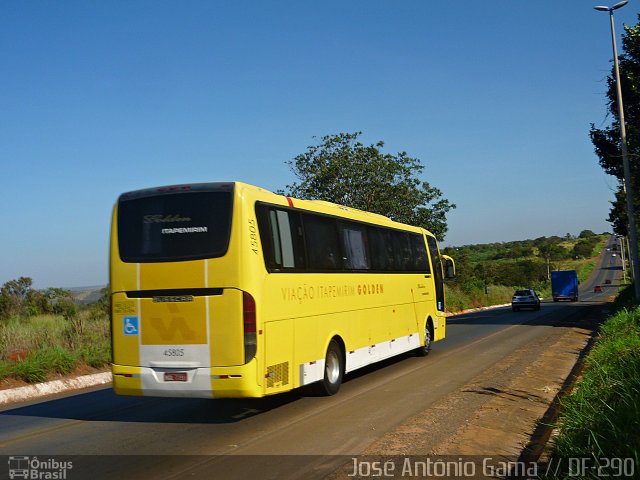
(18, 288)
(13, 296)
(342, 170)
(17, 297)
(584, 248)
(606, 141)
(550, 250)
(58, 301)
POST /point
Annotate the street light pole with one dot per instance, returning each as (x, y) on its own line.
(622, 257)
(628, 187)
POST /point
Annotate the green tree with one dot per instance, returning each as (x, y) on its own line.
(586, 234)
(18, 288)
(552, 251)
(342, 170)
(606, 141)
(582, 249)
(17, 297)
(58, 301)
(13, 297)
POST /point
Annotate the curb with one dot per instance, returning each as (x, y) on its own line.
(479, 309)
(31, 392)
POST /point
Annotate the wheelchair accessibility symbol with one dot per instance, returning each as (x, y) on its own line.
(131, 325)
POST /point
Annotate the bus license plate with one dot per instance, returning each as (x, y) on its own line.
(175, 376)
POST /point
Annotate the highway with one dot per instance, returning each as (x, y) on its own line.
(293, 435)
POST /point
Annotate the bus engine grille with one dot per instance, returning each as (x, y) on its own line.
(278, 375)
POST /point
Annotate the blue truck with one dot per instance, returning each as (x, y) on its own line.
(564, 285)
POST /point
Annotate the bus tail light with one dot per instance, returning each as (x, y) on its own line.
(249, 320)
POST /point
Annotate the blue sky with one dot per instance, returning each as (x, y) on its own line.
(98, 98)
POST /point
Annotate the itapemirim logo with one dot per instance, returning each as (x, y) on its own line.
(33, 468)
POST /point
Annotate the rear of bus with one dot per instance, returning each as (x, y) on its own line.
(181, 326)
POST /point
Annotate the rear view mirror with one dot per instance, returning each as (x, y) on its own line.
(449, 267)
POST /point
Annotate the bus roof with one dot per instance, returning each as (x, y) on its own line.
(320, 206)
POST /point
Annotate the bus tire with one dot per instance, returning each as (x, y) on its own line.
(333, 371)
(424, 350)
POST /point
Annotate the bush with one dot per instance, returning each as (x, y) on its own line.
(601, 418)
(58, 359)
(5, 370)
(35, 366)
(95, 355)
(458, 299)
(30, 370)
(46, 342)
(31, 334)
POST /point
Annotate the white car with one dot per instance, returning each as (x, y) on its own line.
(525, 299)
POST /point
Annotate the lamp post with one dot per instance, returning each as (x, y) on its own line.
(622, 255)
(633, 234)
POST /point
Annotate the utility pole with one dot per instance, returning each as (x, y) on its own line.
(628, 187)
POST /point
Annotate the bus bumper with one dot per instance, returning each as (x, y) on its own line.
(214, 382)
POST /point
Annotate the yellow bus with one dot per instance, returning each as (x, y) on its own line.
(229, 290)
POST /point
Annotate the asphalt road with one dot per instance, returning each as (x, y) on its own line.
(294, 435)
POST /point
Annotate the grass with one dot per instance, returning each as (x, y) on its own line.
(36, 366)
(457, 300)
(5, 370)
(34, 348)
(585, 269)
(601, 418)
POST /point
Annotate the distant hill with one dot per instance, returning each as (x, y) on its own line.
(85, 295)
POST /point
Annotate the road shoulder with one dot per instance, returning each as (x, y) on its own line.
(498, 414)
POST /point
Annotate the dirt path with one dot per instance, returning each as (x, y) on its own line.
(498, 413)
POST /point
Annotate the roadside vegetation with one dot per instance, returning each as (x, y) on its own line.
(488, 274)
(44, 333)
(600, 419)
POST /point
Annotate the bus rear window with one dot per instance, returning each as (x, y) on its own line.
(174, 226)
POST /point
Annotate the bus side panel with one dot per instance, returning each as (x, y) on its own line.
(373, 315)
(363, 346)
(124, 330)
(278, 356)
(391, 332)
(424, 303)
(226, 336)
(440, 327)
(122, 276)
(308, 357)
(126, 349)
(390, 322)
(395, 318)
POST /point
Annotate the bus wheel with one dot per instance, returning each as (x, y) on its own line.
(424, 350)
(333, 371)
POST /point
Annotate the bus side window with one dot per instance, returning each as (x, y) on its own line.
(286, 241)
(276, 249)
(402, 250)
(281, 237)
(321, 238)
(420, 261)
(354, 246)
(297, 237)
(381, 253)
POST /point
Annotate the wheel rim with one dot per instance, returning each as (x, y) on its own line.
(333, 367)
(427, 338)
